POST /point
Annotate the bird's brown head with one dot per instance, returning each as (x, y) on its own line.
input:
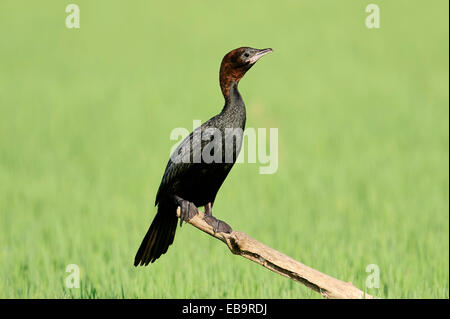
(235, 63)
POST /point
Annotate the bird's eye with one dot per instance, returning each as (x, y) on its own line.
(246, 55)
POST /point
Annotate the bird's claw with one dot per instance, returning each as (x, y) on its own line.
(187, 210)
(217, 225)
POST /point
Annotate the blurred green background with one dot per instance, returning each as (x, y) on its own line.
(85, 118)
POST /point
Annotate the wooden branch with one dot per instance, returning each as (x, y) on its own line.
(241, 244)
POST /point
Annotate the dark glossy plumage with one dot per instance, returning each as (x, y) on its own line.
(199, 182)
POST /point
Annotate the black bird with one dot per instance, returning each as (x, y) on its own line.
(202, 161)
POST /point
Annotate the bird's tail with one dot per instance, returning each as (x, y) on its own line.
(159, 236)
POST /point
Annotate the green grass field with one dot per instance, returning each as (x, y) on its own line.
(85, 118)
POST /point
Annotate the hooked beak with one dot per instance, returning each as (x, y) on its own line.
(259, 54)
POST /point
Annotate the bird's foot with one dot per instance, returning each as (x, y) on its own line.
(217, 225)
(187, 209)
(208, 209)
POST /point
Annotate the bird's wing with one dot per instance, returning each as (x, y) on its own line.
(180, 161)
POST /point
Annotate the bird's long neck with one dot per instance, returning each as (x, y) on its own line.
(234, 104)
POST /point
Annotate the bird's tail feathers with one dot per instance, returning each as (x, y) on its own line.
(159, 236)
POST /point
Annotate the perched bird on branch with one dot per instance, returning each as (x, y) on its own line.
(202, 161)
